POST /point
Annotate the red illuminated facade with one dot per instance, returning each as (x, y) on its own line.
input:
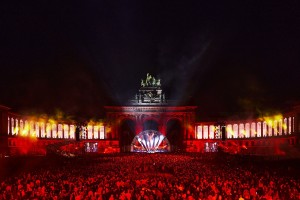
(176, 123)
(257, 136)
(150, 110)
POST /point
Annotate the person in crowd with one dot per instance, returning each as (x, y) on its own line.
(153, 177)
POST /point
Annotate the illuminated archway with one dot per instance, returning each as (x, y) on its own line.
(127, 133)
(175, 134)
(150, 141)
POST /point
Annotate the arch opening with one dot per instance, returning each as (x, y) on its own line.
(175, 134)
(127, 133)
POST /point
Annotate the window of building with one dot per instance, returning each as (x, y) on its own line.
(205, 132)
(235, 130)
(59, 131)
(32, 129)
(253, 132)
(285, 126)
(270, 128)
(293, 128)
(12, 126)
(48, 130)
(211, 131)
(26, 128)
(72, 131)
(96, 132)
(247, 130)
(102, 132)
(8, 126)
(264, 129)
(17, 129)
(42, 129)
(54, 132)
(241, 131)
(290, 125)
(280, 127)
(258, 129)
(275, 127)
(199, 132)
(90, 132)
(21, 127)
(229, 131)
(66, 131)
(37, 130)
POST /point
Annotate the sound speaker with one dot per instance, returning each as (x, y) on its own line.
(223, 133)
(77, 134)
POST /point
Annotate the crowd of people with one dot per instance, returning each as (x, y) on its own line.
(153, 176)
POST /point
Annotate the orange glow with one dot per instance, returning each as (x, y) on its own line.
(33, 137)
(274, 123)
(278, 117)
(270, 123)
(284, 126)
(271, 118)
(25, 130)
(190, 128)
(95, 123)
(108, 129)
(16, 130)
(51, 121)
(66, 130)
(48, 127)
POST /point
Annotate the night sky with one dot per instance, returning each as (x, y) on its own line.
(77, 56)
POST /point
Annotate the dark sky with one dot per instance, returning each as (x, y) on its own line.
(78, 56)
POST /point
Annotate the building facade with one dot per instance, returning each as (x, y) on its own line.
(149, 110)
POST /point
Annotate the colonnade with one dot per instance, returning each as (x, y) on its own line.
(51, 129)
(248, 129)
